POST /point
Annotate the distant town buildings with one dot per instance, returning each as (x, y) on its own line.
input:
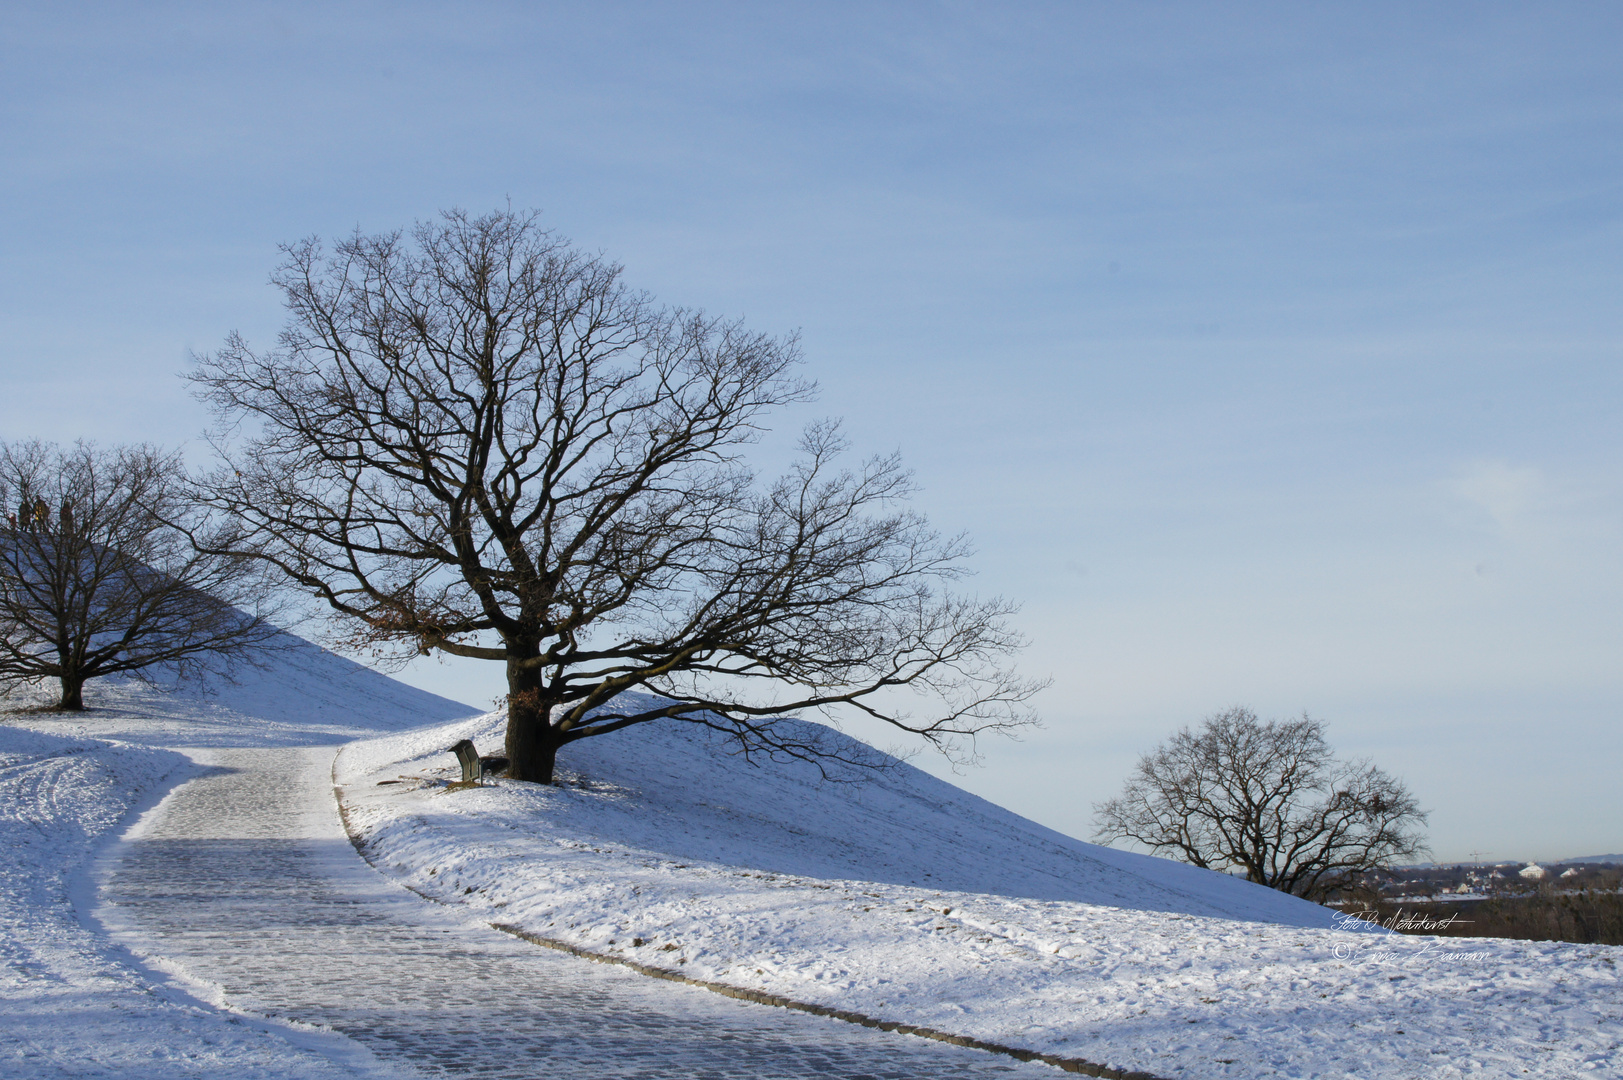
(1474, 882)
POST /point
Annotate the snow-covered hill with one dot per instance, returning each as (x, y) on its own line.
(72, 1005)
(909, 900)
(902, 898)
(683, 791)
(299, 693)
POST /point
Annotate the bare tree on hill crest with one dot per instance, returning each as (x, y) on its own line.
(475, 439)
(97, 577)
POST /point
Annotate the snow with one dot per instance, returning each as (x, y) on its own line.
(907, 899)
(275, 915)
(70, 1006)
(71, 1003)
(901, 897)
(301, 694)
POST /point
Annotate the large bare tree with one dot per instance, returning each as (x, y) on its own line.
(1267, 798)
(96, 579)
(474, 438)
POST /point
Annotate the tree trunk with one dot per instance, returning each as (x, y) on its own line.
(73, 694)
(532, 745)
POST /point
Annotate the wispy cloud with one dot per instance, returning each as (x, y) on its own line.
(1507, 493)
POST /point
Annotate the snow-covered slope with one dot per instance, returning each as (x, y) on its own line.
(911, 901)
(300, 693)
(72, 1005)
(681, 790)
(903, 898)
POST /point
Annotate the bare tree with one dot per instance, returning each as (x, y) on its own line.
(475, 439)
(1268, 798)
(94, 580)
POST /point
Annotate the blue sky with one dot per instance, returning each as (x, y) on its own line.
(1270, 353)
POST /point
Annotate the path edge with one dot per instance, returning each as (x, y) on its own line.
(1059, 1061)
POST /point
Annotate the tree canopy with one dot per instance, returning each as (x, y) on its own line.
(97, 576)
(1267, 798)
(474, 438)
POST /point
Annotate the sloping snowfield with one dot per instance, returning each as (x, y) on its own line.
(906, 899)
(71, 1004)
(901, 898)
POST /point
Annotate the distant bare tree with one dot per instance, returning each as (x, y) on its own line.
(1268, 798)
(474, 439)
(95, 580)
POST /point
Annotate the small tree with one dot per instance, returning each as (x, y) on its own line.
(1268, 798)
(476, 440)
(95, 580)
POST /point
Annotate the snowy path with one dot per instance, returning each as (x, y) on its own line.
(243, 884)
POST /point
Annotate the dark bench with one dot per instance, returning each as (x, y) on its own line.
(474, 767)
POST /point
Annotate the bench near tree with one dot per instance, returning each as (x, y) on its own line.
(475, 439)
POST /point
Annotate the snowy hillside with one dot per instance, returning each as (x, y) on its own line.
(71, 1004)
(300, 693)
(909, 900)
(682, 791)
(902, 898)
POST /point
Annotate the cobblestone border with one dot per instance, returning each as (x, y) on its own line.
(1067, 1064)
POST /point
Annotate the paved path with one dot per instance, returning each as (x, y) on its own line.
(243, 880)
